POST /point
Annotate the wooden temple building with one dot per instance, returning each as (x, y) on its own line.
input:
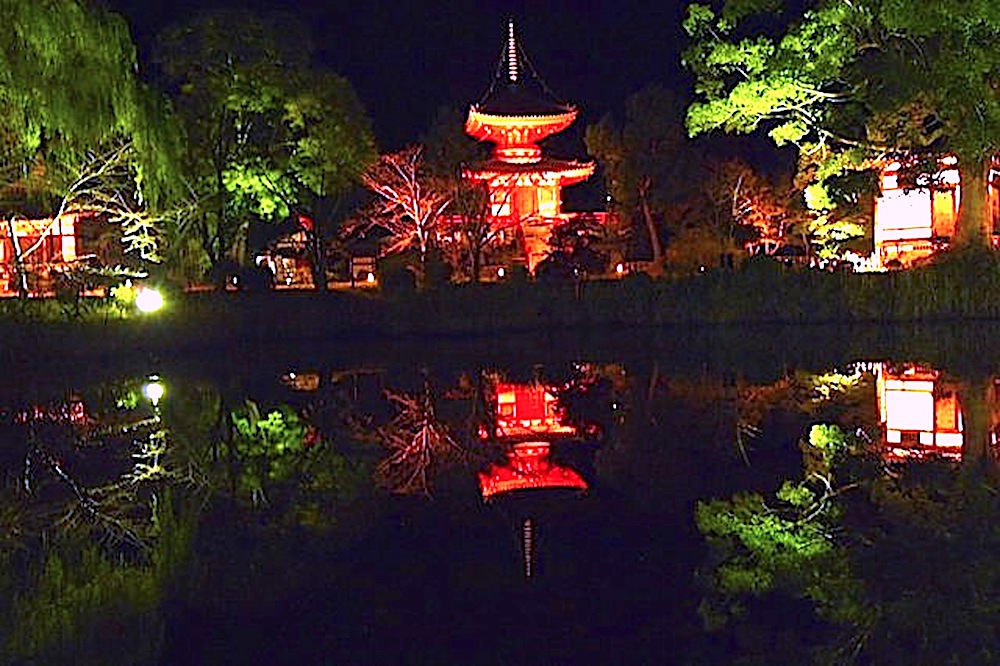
(48, 246)
(926, 413)
(914, 220)
(515, 114)
(527, 423)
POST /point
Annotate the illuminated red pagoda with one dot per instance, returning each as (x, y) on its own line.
(516, 113)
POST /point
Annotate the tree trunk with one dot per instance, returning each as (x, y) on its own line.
(475, 252)
(317, 257)
(976, 416)
(975, 228)
(654, 234)
(20, 275)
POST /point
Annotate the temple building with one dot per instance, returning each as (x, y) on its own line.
(47, 246)
(528, 422)
(515, 114)
(913, 221)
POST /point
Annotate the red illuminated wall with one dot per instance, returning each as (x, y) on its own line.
(525, 410)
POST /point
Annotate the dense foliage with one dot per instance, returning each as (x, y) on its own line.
(853, 85)
(270, 136)
(893, 560)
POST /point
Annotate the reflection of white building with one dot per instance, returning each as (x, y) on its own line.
(920, 414)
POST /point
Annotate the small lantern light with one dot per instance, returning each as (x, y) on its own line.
(501, 272)
(153, 390)
(148, 300)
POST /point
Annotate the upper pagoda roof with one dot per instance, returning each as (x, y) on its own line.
(517, 89)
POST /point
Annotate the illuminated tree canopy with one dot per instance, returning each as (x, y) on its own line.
(852, 83)
(268, 134)
(69, 85)
(408, 205)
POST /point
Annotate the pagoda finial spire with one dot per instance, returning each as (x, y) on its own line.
(512, 72)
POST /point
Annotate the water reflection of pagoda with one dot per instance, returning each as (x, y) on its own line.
(516, 113)
(528, 423)
(920, 412)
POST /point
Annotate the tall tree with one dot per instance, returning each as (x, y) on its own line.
(268, 135)
(646, 161)
(408, 204)
(70, 93)
(856, 83)
(449, 151)
(746, 206)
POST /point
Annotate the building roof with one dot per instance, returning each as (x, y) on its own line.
(566, 170)
(516, 88)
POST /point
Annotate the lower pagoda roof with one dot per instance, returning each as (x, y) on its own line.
(529, 467)
(566, 171)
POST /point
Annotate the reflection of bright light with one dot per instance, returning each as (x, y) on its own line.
(153, 391)
(148, 300)
(910, 409)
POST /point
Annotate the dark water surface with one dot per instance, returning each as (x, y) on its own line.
(302, 554)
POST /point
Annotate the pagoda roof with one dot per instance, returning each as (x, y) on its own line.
(521, 99)
(517, 89)
(528, 467)
(566, 169)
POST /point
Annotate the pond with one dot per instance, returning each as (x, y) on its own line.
(489, 501)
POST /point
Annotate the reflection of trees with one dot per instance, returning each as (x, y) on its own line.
(266, 445)
(92, 534)
(897, 563)
(100, 507)
(417, 441)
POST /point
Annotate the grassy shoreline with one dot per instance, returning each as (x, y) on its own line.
(713, 321)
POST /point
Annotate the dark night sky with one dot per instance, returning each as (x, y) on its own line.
(405, 59)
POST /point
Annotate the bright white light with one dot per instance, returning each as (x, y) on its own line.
(148, 300)
(153, 392)
(501, 272)
(370, 278)
(619, 268)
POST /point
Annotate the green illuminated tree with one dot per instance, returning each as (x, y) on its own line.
(269, 136)
(70, 96)
(851, 83)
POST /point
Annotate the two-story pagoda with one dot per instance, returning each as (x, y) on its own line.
(516, 113)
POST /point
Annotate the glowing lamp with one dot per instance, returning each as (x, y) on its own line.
(620, 268)
(148, 300)
(370, 278)
(153, 391)
(501, 272)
